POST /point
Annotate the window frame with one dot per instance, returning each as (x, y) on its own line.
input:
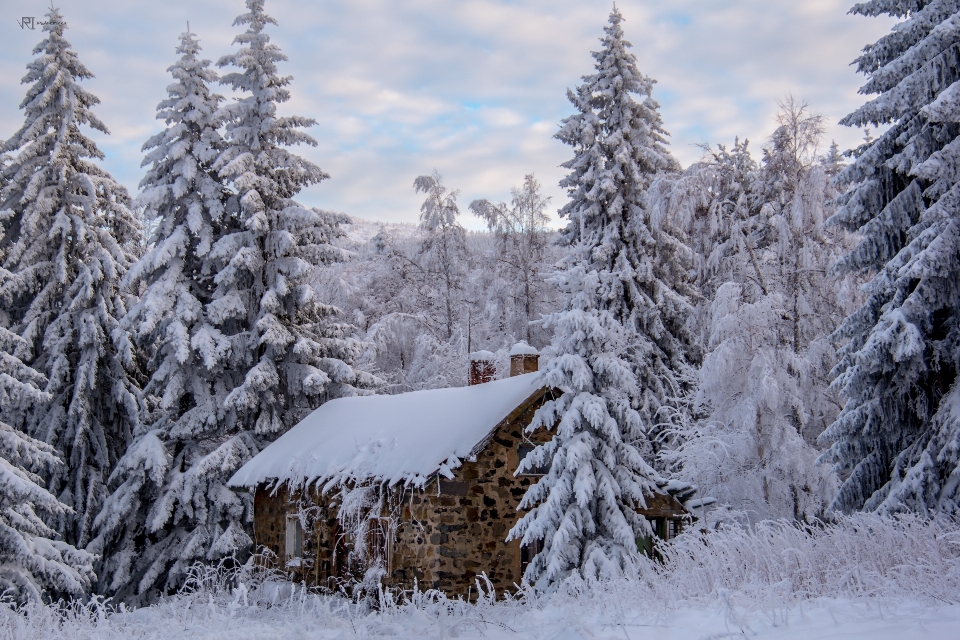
(293, 537)
(523, 450)
(673, 528)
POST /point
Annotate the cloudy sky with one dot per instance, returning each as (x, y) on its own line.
(473, 88)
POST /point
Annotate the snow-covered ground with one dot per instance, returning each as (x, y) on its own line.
(866, 577)
(557, 618)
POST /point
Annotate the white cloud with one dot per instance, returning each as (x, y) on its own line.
(474, 88)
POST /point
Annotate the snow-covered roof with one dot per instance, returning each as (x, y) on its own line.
(400, 438)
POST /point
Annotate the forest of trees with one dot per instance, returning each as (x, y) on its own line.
(780, 329)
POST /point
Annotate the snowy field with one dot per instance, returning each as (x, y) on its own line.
(868, 577)
(322, 619)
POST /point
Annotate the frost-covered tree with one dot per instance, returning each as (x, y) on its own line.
(442, 256)
(897, 441)
(621, 345)
(415, 336)
(67, 240)
(791, 195)
(520, 229)
(381, 291)
(160, 518)
(710, 202)
(34, 563)
(763, 393)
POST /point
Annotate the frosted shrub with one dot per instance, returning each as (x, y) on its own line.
(860, 555)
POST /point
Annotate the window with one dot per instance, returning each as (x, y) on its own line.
(664, 529)
(294, 543)
(526, 449)
(673, 528)
(647, 545)
(527, 554)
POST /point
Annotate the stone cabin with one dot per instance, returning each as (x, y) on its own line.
(432, 491)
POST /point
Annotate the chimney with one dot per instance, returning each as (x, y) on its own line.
(523, 359)
(483, 367)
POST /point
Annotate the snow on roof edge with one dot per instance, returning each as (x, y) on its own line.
(381, 438)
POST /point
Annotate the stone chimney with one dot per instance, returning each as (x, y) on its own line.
(523, 359)
(483, 367)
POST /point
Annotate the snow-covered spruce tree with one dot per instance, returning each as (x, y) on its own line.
(283, 338)
(620, 343)
(66, 245)
(897, 440)
(162, 516)
(34, 564)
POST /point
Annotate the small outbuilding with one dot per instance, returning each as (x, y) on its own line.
(411, 487)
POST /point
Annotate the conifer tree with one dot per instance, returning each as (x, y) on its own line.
(34, 563)
(248, 349)
(284, 339)
(897, 441)
(622, 351)
(162, 515)
(68, 234)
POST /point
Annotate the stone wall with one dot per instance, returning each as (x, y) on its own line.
(269, 519)
(456, 529)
